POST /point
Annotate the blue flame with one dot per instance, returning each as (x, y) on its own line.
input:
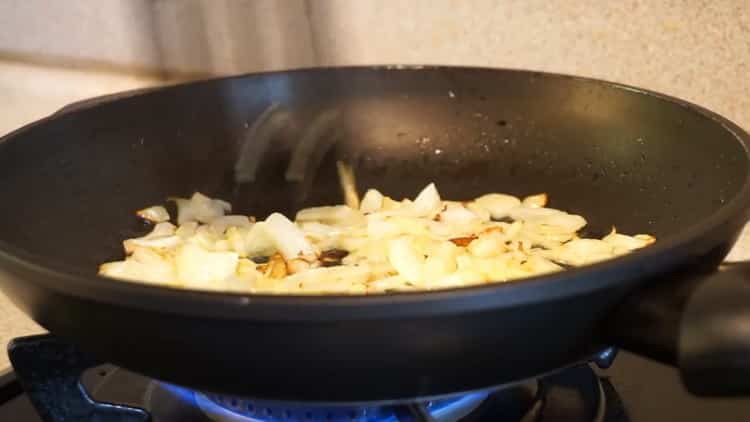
(185, 395)
(236, 409)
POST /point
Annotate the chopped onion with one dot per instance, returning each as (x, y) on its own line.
(456, 213)
(161, 237)
(380, 245)
(143, 265)
(288, 238)
(427, 202)
(549, 217)
(487, 245)
(325, 279)
(536, 265)
(199, 267)
(334, 215)
(221, 224)
(155, 214)
(481, 212)
(623, 243)
(186, 230)
(235, 238)
(406, 260)
(392, 283)
(348, 184)
(371, 202)
(582, 251)
(258, 242)
(498, 204)
(535, 201)
(200, 208)
(166, 242)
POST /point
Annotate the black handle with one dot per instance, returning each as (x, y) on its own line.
(49, 371)
(699, 323)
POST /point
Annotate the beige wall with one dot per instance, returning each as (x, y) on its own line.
(192, 36)
(694, 49)
(105, 31)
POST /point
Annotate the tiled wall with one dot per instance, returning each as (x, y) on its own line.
(694, 49)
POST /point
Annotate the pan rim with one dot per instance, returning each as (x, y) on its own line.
(224, 305)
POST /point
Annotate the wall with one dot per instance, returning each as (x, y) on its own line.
(694, 49)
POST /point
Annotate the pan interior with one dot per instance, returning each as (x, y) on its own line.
(69, 185)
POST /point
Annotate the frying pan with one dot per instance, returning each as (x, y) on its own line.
(622, 156)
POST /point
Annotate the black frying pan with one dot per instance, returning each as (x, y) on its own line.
(617, 155)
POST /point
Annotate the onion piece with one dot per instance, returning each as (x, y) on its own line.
(162, 236)
(581, 251)
(427, 202)
(498, 204)
(320, 231)
(186, 230)
(371, 202)
(481, 212)
(392, 283)
(348, 184)
(166, 242)
(154, 214)
(207, 238)
(200, 208)
(535, 201)
(435, 268)
(143, 265)
(288, 238)
(197, 267)
(460, 278)
(258, 242)
(549, 217)
(405, 259)
(161, 230)
(456, 213)
(333, 215)
(487, 245)
(623, 243)
(325, 280)
(220, 224)
(235, 238)
(537, 265)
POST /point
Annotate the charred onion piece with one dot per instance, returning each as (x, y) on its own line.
(463, 241)
(332, 257)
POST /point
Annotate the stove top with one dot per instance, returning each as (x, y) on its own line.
(632, 389)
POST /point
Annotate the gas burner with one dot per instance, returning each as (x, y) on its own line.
(228, 409)
(575, 394)
(50, 372)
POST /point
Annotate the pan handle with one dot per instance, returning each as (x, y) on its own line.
(699, 323)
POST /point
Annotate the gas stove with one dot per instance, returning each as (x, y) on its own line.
(632, 389)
